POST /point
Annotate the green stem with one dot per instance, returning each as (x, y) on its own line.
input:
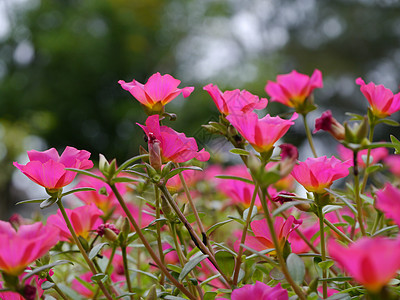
(371, 137)
(55, 286)
(198, 242)
(244, 233)
(196, 214)
(158, 229)
(338, 232)
(147, 245)
(378, 218)
(308, 134)
(323, 252)
(357, 194)
(81, 249)
(108, 267)
(126, 270)
(278, 249)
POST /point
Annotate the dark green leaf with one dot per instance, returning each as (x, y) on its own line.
(192, 218)
(210, 295)
(239, 151)
(130, 161)
(46, 267)
(389, 122)
(355, 117)
(84, 189)
(226, 261)
(216, 226)
(126, 179)
(176, 171)
(396, 144)
(99, 277)
(276, 274)
(47, 285)
(125, 295)
(287, 205)
(374, 168)
(145, 273)
(235, 178)
(31, 201)
(190, 265)
(325, 265)
(96, 249)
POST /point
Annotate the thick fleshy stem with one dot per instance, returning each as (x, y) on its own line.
(158, 228)
(198, 242)
(244, 233)
(308, 134)
(278, 250)
(196, 214)
(81, 249)
(371, 137)
(323, 251)
(147, 245)
(357, 194)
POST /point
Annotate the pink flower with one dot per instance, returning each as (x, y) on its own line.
(388, 201)
(316, 174)
(383, 102)
(235, 101)
(262, 239)
(19, 249)
(175, 146)
(83, 220)
(47, 168)
(142, 217)
(80, 288)
(393, 163)
(260, 291)
(373, 262)
(106, 202)
(157, 91)
(377, 154)
(261, 133)
(294, 88)
(330, 124)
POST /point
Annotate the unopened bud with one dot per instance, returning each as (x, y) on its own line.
(110, 235)
(152, 294)
(103, 165)
(357, 133)
(126, 226)
(328, 123)
(166, 209)
(154, 152)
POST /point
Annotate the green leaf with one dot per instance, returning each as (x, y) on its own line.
(276, 274)
(47, 285)
(396, 144)
(325, 265)
(95, 250)
(125, 295)
(46, 267)
(137, 174)
(287, 205)
(374, 168)
(349, 220)
(169, 297)
(383, 230)
(126, 179)
(389, 122)
(226, 261)
(234, 178)
(316, 261)
(328, 208)
(344, 199)
(192, 218)
(190, 265)
(84, 172)
(253, 213)
(216, 226)
(130, 161)
(239, 220)
(99, 277)
(174, 268)
(30, 201)
(176, 171)
(210, 295)
(355, 117)
(377, 145)
(296, 268)
(367, 199)
(339, 297)
(48, 202)
(338, 279)
(152, 276)
(239, 151)
(84, 189)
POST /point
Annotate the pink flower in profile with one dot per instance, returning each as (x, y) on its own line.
(235, 101)
(175, 146)
(294, 88)
(388, 201)
(47, 168)
(393, 163)
(83, 219)
(262, 239)
(373, 262)
(383, 102)
(157, 91)
(261, 133)
(20, 248)
(316, 174)
(260, 291)
(377, 154)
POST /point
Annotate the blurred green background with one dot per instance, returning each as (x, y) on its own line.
(60, 62)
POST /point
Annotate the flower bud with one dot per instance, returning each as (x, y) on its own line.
(289, 156)
(357, 133)
(154, 152)
(330, 124)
